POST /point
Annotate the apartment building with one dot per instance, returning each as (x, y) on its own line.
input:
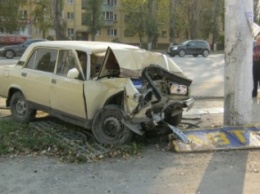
(114, 28)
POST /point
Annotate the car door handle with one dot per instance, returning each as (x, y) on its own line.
(24, 74)
(53, 81)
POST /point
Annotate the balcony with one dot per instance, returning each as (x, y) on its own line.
(108, 8)
(108, 23)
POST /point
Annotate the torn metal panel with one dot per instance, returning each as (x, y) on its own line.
(135, 60)
(220, 139)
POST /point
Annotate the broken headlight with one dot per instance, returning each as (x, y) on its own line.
(178, 89)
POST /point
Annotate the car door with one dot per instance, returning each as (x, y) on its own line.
(36, 76)
(67, 95)
(191, 47)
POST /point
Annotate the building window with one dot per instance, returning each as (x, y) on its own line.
(70, 1)
(70, 32)
(109, 15)
(98, 33)
(23, 13)
(84, 19)
(84, 4)
(164, 34)
(38, 31)
(112, 32)
(111, 2)
(70, 16)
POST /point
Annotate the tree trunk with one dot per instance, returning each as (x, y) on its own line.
(58, 23)
(152, 28)
(195, 20)
(238, 59)
(172, 21)
(215, 25)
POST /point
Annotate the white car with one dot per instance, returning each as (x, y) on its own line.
(118, 90)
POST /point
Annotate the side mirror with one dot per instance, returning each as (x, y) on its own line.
(73, 73)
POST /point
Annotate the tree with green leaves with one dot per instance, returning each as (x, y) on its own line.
(41, 16)
(10, 18)
(135, 16)
(94, 17)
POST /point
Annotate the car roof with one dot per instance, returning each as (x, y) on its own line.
(88, 46)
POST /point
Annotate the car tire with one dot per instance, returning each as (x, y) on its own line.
(205, 53)
(195, 55)
(172, 55)
(108, 127)
(20, 108)
(9, 54)
(182, 53)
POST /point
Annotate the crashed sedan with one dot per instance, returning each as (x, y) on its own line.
(113, 89)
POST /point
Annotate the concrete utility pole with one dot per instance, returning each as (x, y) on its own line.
(238, 62)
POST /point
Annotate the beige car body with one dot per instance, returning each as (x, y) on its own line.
(78, 101)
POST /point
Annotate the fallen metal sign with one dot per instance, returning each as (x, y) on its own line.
(225, 138)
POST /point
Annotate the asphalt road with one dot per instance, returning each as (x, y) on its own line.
(207, 74)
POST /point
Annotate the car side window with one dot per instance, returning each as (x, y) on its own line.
(43, 60)
(64, 63)
(67, 61)
(192, 43)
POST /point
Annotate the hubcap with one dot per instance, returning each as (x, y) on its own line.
(21, 107)
(9, 54)
(112, 126)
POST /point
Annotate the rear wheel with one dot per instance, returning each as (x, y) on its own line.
(182, 53)
(205, 53)
(108, 127)
(195, 55)
(20, 108)
(9, 54)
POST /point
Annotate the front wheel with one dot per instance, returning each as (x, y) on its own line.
(20, 108)
(108, 127)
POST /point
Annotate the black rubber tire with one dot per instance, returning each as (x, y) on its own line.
(9, 54)
(20, 108)
(205, 53)
(195, 55)
(182, 53)
(108, 128)
(173, 120)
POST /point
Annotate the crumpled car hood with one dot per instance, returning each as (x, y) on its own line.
(132, 61)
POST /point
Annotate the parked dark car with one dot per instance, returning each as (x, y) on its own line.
(190, 47)
(17, 50)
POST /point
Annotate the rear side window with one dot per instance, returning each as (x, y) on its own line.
(43, 59)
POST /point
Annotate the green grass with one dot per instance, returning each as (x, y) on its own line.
(21, 139)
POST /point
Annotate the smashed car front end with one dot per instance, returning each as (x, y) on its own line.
(161, 97)
(161, 91)
(136, 91)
